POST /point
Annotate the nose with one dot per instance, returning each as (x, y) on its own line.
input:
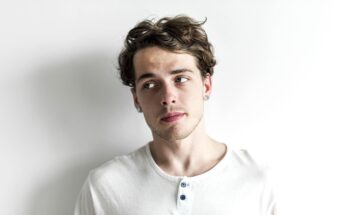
(168, 95)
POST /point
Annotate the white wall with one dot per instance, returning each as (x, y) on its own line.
(277, 91)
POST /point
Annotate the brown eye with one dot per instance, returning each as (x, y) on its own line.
(181, 79)
(149, 85)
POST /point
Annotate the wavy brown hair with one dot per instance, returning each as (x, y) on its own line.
(179, 33)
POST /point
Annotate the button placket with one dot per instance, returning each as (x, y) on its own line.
(184, 196)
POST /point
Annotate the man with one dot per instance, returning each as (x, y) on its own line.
(169, 65)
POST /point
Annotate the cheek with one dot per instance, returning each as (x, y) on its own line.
(145, 99)
(195, 94)
(149, 101)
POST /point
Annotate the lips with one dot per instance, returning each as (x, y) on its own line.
(171, 117)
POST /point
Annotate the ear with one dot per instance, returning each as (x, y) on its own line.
(134, 96)
(207, 85)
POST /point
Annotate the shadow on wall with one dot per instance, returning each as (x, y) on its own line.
(58, 194)
(84, 108)
(80, 97)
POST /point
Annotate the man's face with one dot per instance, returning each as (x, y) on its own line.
(170, 91)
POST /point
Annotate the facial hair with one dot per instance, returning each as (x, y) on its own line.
(174, 132)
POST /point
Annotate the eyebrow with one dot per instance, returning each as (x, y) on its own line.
(151, 75)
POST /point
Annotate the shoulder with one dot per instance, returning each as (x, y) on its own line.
(249, 165)
(120, 167)
(257, 175)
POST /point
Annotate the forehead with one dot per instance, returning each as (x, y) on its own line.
(158, 60)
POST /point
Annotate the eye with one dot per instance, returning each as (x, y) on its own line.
(149, 85)
(181, 79)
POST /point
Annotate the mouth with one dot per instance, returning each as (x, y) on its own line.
(172, 117)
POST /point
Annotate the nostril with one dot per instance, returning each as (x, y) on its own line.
(166, 102)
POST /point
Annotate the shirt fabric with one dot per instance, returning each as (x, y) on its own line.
(134, 184)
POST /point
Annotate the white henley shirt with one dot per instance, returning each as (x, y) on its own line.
(134, 184)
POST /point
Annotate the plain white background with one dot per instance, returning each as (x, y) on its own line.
(277, 91)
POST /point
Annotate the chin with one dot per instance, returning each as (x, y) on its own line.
(176, 131)
(173, 133)
(172, 137)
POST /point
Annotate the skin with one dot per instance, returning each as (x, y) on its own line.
(171, 82)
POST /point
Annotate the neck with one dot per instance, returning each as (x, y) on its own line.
(190, 156)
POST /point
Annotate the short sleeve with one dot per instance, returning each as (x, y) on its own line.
(85, 204)
(268, 196)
